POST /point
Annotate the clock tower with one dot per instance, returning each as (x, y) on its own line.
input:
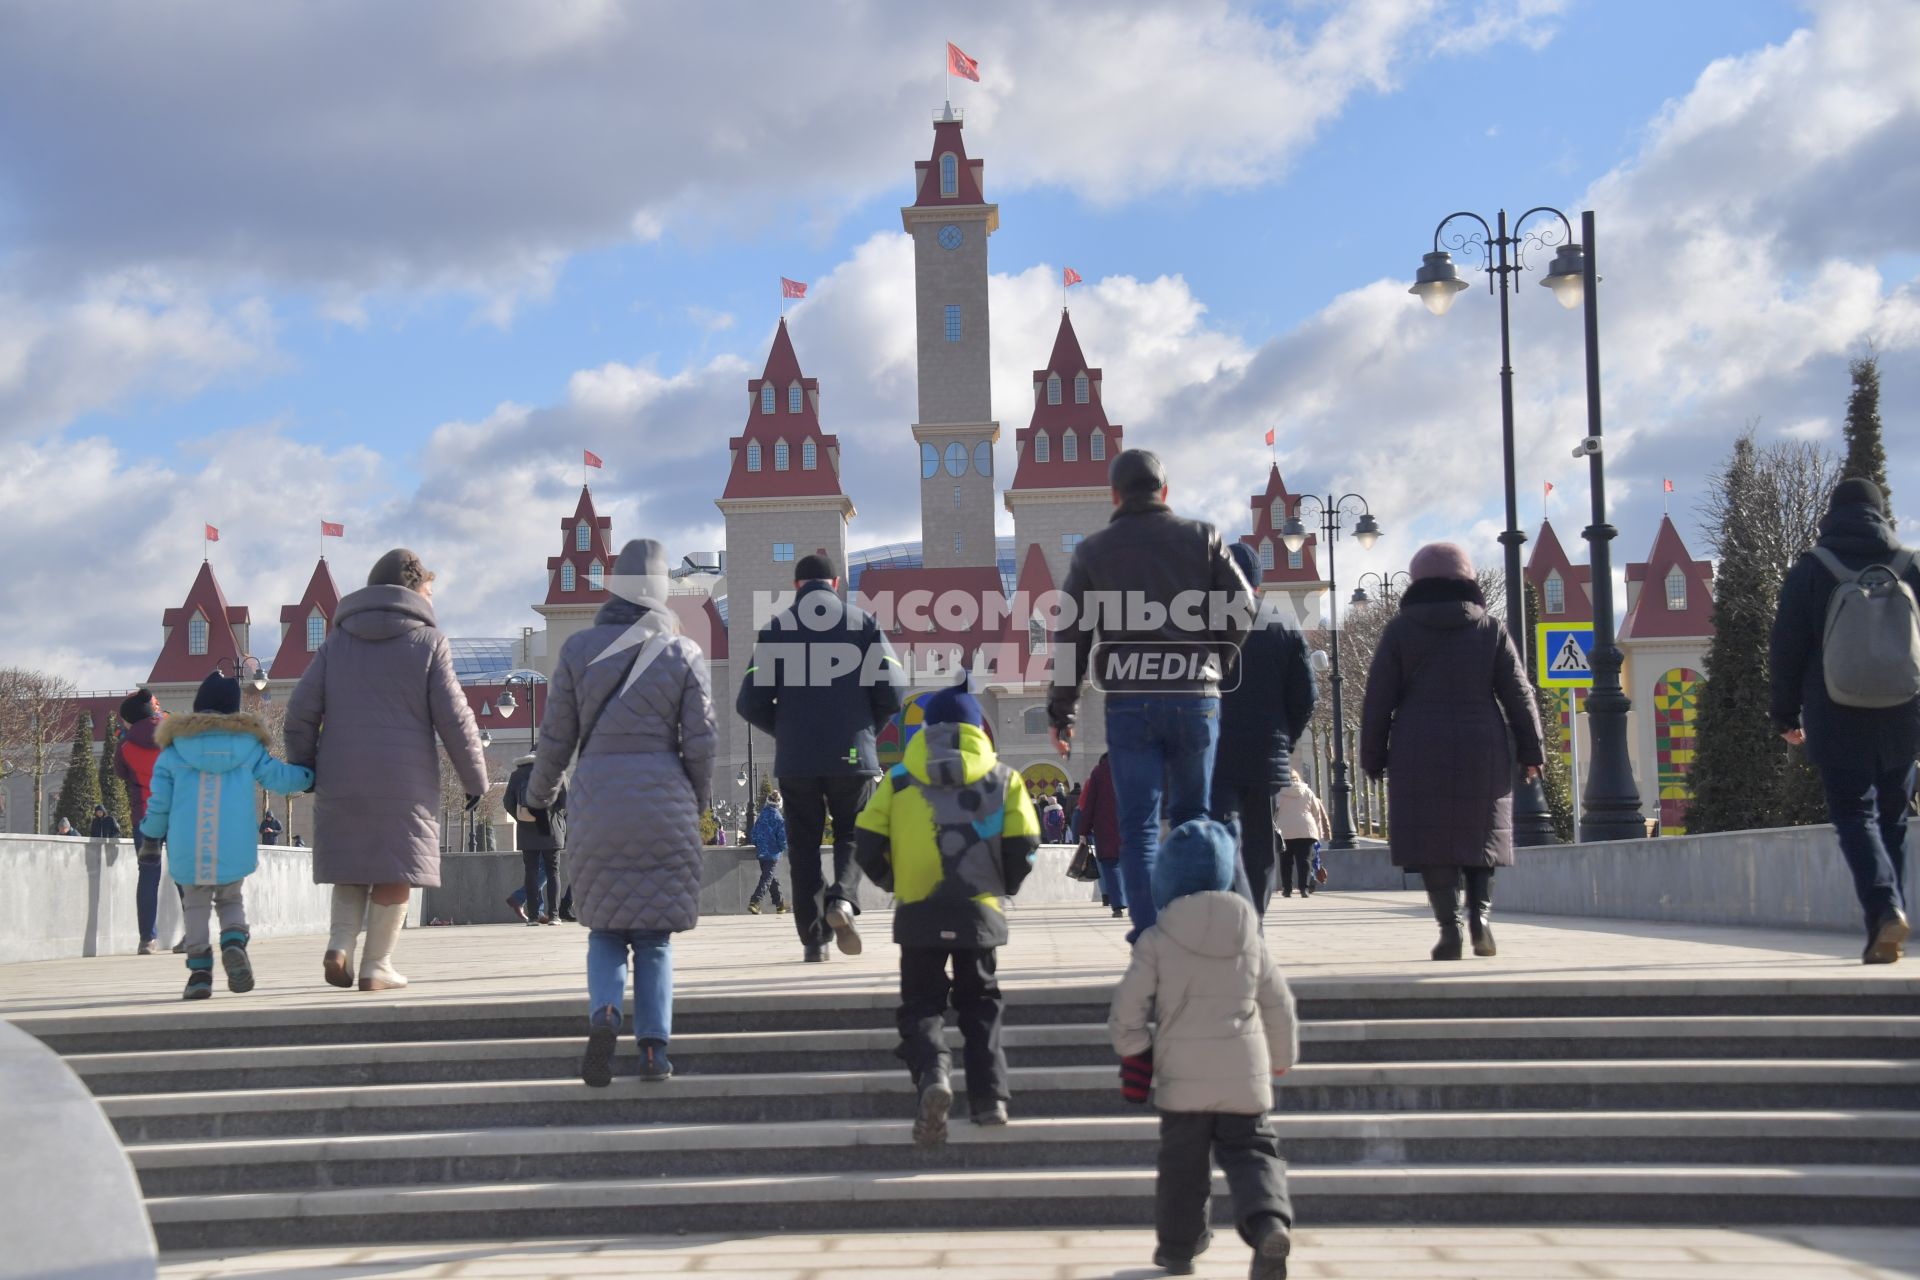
(950, 221)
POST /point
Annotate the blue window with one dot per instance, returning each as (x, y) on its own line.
(582, 537)
(1556, 594)
(197, 635)
(957, 547)
(779, 455)
(1098, 451)
(1266, 554)
(956, 459)
(766, 398)
(1053, 388)
(316, 630)
(1082, 389)
(949, 175)
(782, 552)
(809, 455)
(793, 398)
(1041, 451)
(596, 576)
(929, 462)
(1069, 542)
(1297, 559)
(753, 455)
(953, 322)
(950, 237)
(1069, 447)
(567, 579)
(983, 457)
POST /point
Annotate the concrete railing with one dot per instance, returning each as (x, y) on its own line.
(70, 1206)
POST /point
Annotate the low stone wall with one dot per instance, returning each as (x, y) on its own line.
(75, 897)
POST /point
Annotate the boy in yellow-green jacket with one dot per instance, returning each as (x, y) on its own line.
(951, 833)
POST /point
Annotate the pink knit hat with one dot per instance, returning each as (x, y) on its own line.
(1441, 560)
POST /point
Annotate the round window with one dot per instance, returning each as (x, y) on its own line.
(950, 237)
(983, 457)
(956, 459)
(929, 462)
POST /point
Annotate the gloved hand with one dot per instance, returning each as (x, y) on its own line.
(473, 802)
(1136, 1076)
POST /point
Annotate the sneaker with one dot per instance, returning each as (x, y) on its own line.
(1119, 913)
(990, 1115)
(180, 947)
(532, 923)
(654, 1066)
(1272, 1242)
(199, 977)
(753, 908)
(546, 919)
(814, 955)
(596, 1068)
(840, 920)
(517, 908)
(781, 908)
(936, 1099)
(150, 947)
(233, 957)
(1889, 939)
(1179, 1262)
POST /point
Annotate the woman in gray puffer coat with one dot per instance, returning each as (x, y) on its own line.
(630, 697)
(1448, 708)
(364, 718)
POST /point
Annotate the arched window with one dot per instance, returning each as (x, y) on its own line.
(582, 537)
(779, 455)
(1297, 559)
(197, 635)
(1266, 555)
(1041, 451)
(316, 630)
(1097, 449)
(596, 576)
(1037, 634)
(1279, 516)
(1069, 447)
(1676, 588)
(1034, 721)
(753, 455)
(1082, 389)
(793, 398)
(1556, 593)
(567, 579)
(809, 455)
(766, 397)
(983, 458)
(1053, 388)
(929, 461)
(949, 174)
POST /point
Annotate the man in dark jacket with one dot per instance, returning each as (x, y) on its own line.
(270, 828)
(1261, 713)
(1865, 756)
(822, 681)
(104, 826)
(539, 843)
(133, 764)
(1159, 612)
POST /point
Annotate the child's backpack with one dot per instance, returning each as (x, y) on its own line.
(1870, 650)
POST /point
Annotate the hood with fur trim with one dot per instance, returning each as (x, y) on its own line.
(214, 743)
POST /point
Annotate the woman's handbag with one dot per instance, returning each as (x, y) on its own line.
(1084, 866)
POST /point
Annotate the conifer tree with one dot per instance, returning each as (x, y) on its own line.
(1866, 456)
(80, 791)
(113, 792)
(1557, 775)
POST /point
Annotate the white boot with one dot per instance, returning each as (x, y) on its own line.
(383, 931)
(349, 914)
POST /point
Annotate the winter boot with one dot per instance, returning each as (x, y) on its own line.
(1444, 895)
(233, 956)
(990, 1114)
(199, 976)
(1179, 1262)
(383, 933)
(753, 906)
(936, 1099)
(349, 916)
(840, 920)
(654, 1066)
(1272, 1242)
(596, 1069)
(1480, 910)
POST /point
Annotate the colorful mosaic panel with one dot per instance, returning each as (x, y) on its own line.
(1561, 704)
(1676, 702)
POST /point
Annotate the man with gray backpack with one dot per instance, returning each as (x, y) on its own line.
(1846, 683)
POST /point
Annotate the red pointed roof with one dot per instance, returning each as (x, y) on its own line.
(599, 550)
(1270, 511)
(1651, 618)
(884, 592)
(1067, 419)
(291, 662)
(1549, 557)
(969, 184)
(768, 430)
(176, 665)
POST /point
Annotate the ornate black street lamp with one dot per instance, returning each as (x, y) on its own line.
(1390, 585)
(507, 704)
(1366, 532)
(1610, 808)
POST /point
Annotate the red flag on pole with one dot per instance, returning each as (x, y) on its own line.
(792, 288)
(1549, 487)
(959, 64)
(1669, 485)
(1270, 431)
(592, 459)
(330, 530)
(1068, 277)
(212, 534)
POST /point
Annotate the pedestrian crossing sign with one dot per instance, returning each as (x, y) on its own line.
(1564, 653)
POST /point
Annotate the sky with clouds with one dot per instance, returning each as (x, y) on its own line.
(396, 266)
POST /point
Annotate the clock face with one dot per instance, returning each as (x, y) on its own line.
(950, 237)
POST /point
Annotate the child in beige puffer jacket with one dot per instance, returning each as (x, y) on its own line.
(1204, 1015)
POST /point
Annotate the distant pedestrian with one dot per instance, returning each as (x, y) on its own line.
(1302, 822)
(377, 702)
(1204, 1020)
(769, 841)
(630, 707)
(202, 804)
(539, 837)
(1053, 820)
(1846, 668)
(299, 842)
(1448, 705)
(105, 825)
(270, 828)
(64, 827)
(1097, 818)
(1073, 804)
(823, 728)
(1268, 703)
(133, 765)
(951, 833)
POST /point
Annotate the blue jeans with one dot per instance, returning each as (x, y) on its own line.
(1158, 745)
(146, 893)
(652, 979)
(1112, 883)
(1870, 815)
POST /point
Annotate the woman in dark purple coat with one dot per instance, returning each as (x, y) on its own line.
(1448, 708)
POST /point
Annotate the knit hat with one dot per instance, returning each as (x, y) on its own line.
(954, 704)
(137, 706)
(641, 572)
(1137, 471)
(1197, 857)
(219, 695)
(1441, 560)
(1856, 492)
(399, 568)
(1247, 561)
(816, 567)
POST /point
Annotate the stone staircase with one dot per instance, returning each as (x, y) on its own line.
(1498, 1101)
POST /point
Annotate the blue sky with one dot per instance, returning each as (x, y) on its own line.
(256, 268)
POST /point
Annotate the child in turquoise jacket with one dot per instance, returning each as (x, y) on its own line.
(202, 803)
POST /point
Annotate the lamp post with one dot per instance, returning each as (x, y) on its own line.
(508, 704)
(1504, 255)
(1366, 532)
(1390, 585)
